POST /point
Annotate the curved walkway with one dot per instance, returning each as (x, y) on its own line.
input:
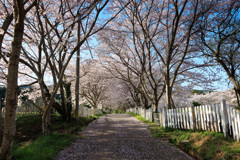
(119, 137)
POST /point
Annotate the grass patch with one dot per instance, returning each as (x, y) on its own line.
(43, 148)
(31, 145)
(200, 144)
(98, 115)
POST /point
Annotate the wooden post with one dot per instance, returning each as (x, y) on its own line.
(156, 118)
(148, 115)
(184, 118)
(238, 120)
(208, 118)
(234, 124)
(214, 118)
(205, 117)
(187, 118)
(196, 117)
(144, 113)
(175, 117)
(151, 115)
(218, 118)
(192, 118)
(165, 117)
(168, 117)
(161, 117)
(179, 118)
(231, 121)
(201, 118)
(225, 123)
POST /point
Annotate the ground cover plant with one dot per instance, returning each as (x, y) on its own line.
(199, 144)
(30, 144)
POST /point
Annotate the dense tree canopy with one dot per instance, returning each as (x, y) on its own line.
(148, 53)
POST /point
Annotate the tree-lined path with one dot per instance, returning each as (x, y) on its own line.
(119, 136)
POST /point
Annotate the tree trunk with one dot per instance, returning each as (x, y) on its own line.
(1, 125)
(236, 88)
(170, 102)
(168, 89)
(12, 82)
(155, 101)
(144, 101)
(77, 73)
(47, 97)
(155, 108)
(64, 103)
(46, 123)
(168, 95)
(67, 86)
(237, 92)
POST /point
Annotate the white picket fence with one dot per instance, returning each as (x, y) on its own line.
(33, 111)
(146, 113)
(87, 112)
(217, 118)
(24, 111)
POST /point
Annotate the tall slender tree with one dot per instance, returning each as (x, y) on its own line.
(77, 71)
(12, 81)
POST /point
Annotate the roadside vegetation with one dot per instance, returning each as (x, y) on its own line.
(30, 144)
(199, 144)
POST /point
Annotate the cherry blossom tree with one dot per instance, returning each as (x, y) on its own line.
(170, 26)
(219, 38)
(18, 15)
(99, 88)
(90, 27)
(49, 42)
(54, 38)
(214, 97)
(153, 40)
(119, 71)
(134, 53)
(93, 84)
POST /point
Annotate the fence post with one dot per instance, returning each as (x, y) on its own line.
(93, 111)
(151, 115)
(192, 118)
(144, 113)
(160, 117)
(238, 119)
(165, 117)
(156, 118)
(225, 123)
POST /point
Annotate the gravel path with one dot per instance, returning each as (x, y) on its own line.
(119, 137)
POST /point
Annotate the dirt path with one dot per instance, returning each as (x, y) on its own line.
(119, 137)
